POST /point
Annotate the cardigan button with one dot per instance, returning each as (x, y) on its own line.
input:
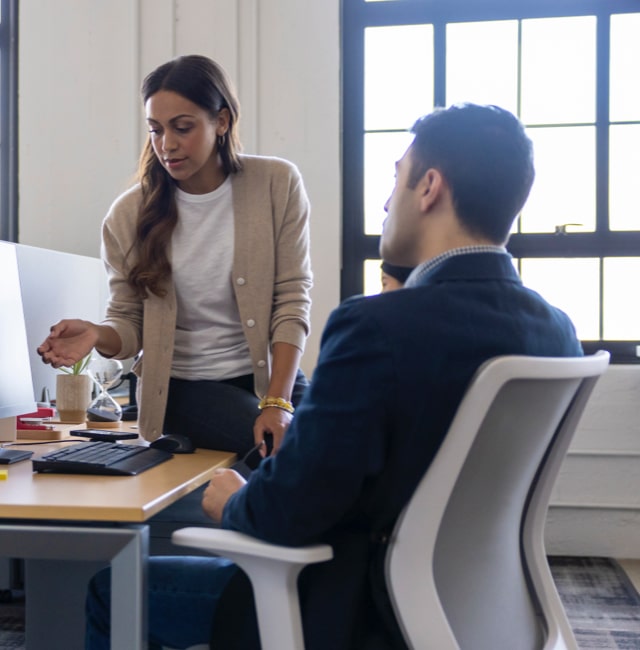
(251, 323)
(241, 281)
(262, 363)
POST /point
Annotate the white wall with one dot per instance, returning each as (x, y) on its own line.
(595, 505)
(81, 127)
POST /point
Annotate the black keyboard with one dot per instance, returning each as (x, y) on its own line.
(97, 457)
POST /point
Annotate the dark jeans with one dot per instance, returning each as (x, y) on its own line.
(218, 414)
(183, 593)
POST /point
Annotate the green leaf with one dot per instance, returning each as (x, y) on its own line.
(78, 367)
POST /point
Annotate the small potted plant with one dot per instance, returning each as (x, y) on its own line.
(73, 392)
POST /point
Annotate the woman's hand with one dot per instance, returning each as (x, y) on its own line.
(68, 342)
(271, 420)
(274, 420)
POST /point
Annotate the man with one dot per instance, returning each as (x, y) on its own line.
(391, 372)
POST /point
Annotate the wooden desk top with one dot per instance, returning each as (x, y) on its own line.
(74, 497)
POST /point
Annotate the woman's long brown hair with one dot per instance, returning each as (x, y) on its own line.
(204, 83)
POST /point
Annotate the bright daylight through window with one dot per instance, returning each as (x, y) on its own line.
(571, 77)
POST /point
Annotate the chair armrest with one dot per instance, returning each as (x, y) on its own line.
(273, 571)
(220, 542)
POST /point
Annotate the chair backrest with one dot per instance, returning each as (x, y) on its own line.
(466, 566)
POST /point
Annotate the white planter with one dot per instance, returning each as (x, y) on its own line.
(73, 396)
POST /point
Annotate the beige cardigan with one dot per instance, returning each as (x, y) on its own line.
(271, 272)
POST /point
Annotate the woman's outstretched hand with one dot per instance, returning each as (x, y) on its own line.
(68, 342)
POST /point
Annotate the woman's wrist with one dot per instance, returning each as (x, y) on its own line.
(268, 401)
(107, 341)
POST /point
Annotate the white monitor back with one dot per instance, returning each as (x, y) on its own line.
(16, 394)
(57, 285)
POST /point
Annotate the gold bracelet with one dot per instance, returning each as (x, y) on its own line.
(277, 402)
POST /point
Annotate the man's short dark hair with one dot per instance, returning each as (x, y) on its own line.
(486, 159)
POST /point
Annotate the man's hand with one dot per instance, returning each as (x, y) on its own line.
(223, 484)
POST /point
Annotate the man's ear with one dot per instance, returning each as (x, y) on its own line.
(430, 187)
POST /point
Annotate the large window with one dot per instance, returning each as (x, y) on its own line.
(8, 121)
(569, 69)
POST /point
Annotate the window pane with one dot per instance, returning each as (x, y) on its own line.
(571, 285)
(482, 63)
(564, 191)
(372, 281)
(398, 75)
(624, 172)
(624, 89)
(621, 315)
(559, 70)
(381, 151)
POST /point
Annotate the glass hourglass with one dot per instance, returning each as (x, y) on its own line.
(105, 373)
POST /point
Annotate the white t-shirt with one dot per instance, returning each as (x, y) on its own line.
(209, 341)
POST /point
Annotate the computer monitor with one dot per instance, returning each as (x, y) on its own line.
(16, 388)
(57, 285)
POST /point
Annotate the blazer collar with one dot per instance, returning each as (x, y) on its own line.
(472, 266)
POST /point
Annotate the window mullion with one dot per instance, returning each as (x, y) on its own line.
(439, 63)
(602, 123)
(8, 122)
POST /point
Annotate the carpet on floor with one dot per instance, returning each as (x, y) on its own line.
(602, 606)
(11, 620)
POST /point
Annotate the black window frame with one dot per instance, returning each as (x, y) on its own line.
(357, 15)
(9, 120)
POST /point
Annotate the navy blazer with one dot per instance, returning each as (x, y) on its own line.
(391, 372)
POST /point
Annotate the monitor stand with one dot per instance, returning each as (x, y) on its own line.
(8, 427)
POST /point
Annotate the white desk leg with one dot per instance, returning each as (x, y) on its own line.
(128, 595)
(44, 546)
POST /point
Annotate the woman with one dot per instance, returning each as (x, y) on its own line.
(209, 272)
(393, 277)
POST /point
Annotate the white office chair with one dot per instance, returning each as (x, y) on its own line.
(466, 565)
(479, 513)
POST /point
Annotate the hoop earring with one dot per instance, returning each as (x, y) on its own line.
(221, 140)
